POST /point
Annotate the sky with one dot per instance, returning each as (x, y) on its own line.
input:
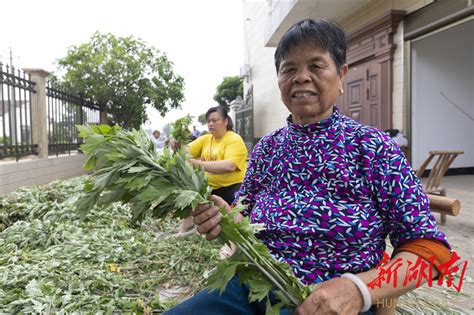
(203, 38)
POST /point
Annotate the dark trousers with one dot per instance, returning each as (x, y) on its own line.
(233, 301)
(227, 193)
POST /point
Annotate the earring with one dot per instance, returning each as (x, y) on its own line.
(341, 91)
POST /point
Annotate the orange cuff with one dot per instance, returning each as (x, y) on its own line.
(426, 249)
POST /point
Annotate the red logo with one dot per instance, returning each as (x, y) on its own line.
(420, 270)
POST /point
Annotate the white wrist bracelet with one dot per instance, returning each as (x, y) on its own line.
(364, 290)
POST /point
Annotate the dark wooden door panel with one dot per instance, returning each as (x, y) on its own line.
(374, 116)
(362, 99)
(355, 94)
(373, 93)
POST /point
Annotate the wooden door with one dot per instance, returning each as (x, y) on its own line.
(374, 105)
(354, 98)
(361, 99)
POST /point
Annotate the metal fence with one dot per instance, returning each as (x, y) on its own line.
(65, 111)
(244, 121)
(16, 133)
(20, 122)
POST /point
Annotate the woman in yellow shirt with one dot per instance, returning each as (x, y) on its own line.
(222, 154)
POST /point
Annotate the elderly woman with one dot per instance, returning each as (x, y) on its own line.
(328, 191)
(222, 154)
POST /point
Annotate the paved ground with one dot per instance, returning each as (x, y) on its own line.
(460, 233)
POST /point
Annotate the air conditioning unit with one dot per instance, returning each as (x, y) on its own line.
(245, 71)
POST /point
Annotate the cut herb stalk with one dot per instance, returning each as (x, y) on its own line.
(129, 170)
(275, 278)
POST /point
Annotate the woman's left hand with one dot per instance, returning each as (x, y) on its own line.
(335, 296)
(195, 162)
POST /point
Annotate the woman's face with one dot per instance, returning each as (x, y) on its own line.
(216, 124)
(309, 83)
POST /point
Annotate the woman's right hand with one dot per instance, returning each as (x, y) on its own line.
(208, 217)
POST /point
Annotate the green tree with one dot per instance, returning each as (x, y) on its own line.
(202, 119)
(228, 90)
(123, 75)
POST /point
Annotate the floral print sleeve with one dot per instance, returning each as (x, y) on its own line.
(401, 198)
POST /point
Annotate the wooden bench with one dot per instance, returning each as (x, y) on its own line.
(433, 185)
(444, 205)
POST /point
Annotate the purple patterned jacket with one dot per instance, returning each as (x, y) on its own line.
(329, 193)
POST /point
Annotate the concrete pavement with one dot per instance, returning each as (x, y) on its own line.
(460, 233)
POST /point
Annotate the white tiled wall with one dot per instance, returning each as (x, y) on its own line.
(35, 172)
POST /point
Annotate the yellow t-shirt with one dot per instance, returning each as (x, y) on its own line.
(229, 147)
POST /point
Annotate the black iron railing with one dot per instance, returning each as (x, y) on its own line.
(244, 121)
(65, 111)
(16, 133)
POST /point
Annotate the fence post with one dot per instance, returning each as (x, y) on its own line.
(234, 106)
(103, 115)
(39, 116)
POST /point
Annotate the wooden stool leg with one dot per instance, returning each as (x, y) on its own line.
(444, 219)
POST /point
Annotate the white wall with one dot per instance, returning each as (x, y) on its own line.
(269, 111)
(443, 64)
(400, 112)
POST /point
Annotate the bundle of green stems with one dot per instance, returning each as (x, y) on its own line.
(128, 169)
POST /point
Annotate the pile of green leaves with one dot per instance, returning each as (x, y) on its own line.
(54, 261)
(128, 169)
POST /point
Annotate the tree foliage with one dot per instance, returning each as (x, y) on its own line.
(202, 119)
(228, 90)
(123, 75)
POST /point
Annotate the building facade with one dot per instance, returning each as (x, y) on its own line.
(411, 68)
